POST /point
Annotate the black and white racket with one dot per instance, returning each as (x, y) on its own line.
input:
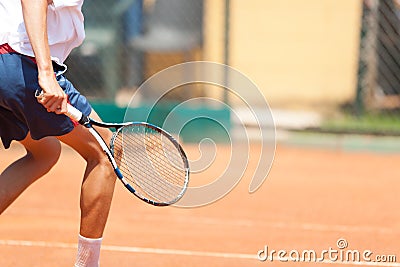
(147, 160)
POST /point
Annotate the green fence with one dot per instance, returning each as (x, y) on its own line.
(128, 41)
(376, 106)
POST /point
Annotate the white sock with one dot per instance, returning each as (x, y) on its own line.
(88, 252)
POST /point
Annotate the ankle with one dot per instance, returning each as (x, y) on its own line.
(88, 252)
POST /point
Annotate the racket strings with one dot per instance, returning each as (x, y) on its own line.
(152, 162)
(148, 185)
(141, 184)
(158, 159)
(169, 169)
(148, 188)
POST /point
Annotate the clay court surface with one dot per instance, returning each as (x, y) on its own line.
(311, 198)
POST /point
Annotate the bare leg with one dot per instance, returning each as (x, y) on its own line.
(40, 158)
(98, 181)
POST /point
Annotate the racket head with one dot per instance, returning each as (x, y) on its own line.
(153, 164)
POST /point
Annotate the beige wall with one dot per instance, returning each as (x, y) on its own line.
(298, 52)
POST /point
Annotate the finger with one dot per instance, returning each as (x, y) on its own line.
(58, 111)
(55, 106)
(39, 95)
(50, 103)
(48, 99)
(43, 99)
(60, 106)
(61, 110)
(53, 102)
(64, 105)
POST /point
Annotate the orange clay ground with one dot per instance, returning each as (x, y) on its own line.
(311, 198)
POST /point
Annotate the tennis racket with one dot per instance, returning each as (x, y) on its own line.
(149, 161)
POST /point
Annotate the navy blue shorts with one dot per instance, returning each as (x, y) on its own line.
(20, 111)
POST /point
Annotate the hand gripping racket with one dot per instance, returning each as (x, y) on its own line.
(147, 160)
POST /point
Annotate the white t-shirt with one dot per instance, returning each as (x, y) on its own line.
(64, 26)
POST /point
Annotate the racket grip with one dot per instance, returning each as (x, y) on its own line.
(73, 113)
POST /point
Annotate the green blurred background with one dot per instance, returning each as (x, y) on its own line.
(329, 66)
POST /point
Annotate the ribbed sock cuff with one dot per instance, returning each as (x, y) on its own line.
(88, 252)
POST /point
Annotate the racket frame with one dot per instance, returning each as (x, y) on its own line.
(118, 127)
(87, 122)
(109, 151)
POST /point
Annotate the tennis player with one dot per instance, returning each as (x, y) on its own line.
(36, 36)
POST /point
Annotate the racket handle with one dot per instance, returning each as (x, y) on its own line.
(77, 115)
(73, 113)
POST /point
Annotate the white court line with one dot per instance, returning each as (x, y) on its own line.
(297, 226)
(160, 251)
(251, 223)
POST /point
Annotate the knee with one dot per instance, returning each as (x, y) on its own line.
(98, 160)
(98, 184)
(102, 164)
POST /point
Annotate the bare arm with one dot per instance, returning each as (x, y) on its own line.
(35, 18)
